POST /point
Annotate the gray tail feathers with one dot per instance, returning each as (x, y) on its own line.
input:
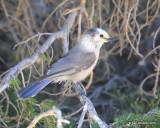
(33, 89)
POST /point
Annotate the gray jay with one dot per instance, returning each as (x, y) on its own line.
(75, 66)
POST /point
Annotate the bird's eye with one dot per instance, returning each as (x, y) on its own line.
(101, 35)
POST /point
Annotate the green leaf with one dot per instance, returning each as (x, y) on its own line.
(47, 104)
(45, 58)
(94, 124)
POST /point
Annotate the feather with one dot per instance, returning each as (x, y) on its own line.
(33, 89)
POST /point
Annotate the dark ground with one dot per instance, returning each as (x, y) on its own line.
(119, 86)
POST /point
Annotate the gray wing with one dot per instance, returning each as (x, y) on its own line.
(71, 63)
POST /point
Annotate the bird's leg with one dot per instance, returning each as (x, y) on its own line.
(67, 88)
(79, 88)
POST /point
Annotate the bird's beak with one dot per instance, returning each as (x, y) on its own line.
(108, 39)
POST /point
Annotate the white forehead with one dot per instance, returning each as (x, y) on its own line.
(97, 31)
(101, 31)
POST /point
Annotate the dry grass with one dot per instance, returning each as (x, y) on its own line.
(131, 61)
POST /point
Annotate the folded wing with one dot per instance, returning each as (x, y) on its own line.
(71, 63)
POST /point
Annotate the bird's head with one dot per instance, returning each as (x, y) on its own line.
(98, 36)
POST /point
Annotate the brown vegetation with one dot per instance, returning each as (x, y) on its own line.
(125, 79)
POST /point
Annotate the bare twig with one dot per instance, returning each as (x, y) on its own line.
(27, 62)
(53, 112)
(37, 35)
(82, 115)
(90, 81)
(74, 113)
(51, 14)
(142, 83)
(154, 39)
(89, 107)
(156, 80)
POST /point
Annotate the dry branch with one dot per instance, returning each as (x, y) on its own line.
(53, 112)
(27, 62)
(88, 106)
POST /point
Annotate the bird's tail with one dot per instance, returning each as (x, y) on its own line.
(33, 89)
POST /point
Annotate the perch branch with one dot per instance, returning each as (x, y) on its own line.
(27, 62)
(89, 107)
(53, 112)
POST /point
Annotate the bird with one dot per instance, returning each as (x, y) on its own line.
(74, 66)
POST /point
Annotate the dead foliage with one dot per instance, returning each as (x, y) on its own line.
(129, 67)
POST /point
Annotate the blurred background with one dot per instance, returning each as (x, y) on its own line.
(125, 85)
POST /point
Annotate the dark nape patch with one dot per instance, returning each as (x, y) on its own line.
(92, 31)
